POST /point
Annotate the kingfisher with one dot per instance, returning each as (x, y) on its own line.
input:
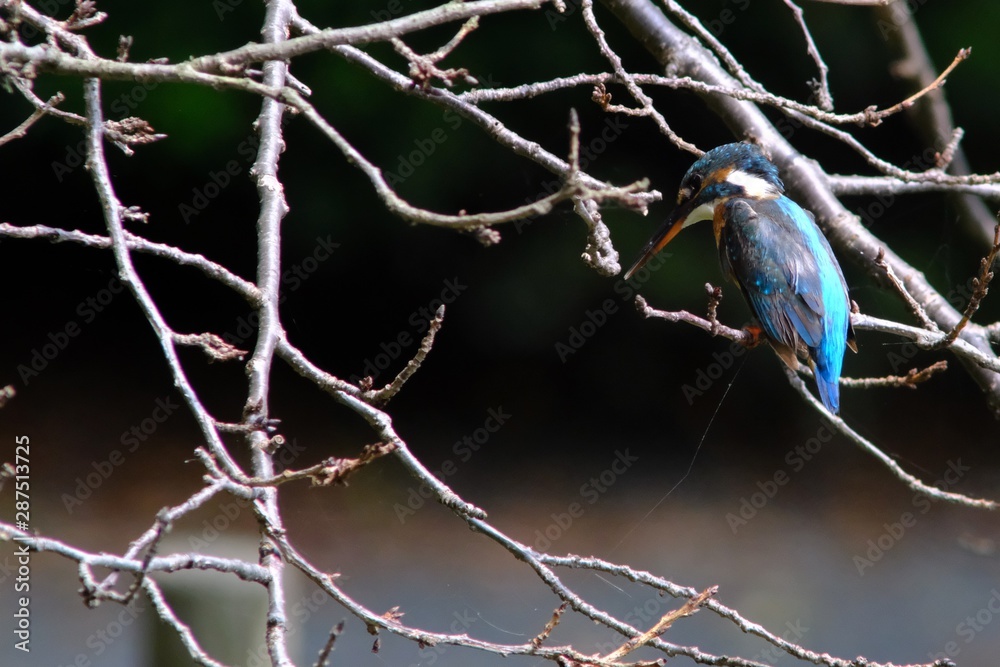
(773, 250)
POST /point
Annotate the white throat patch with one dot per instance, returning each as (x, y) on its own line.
(703, 212)
(754, 186)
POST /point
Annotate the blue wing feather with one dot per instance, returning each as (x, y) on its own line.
(791, 279)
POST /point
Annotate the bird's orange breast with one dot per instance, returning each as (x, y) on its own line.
(718, 222)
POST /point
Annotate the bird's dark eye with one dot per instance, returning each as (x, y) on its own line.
(689, 188)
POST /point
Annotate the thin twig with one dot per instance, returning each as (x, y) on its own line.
(462, 221)
(689, 607)
(121, 133)
(637, 199)
(307, 369)
(244, 288)
(112, 210)
(859, 322)
(324, 654)
(921, 337)
(600, 253)
(908, 299)
(685, 593)
(330, 471)
(933, 118)
(911, 380)
(162, 527)
(214, 347)
(715, 328)
(927, 340)
(329, 39)
(934, 85)
(381, 423)
(822, 87)
(906, 478)
(169, 515)
(166, 614)
(424, 69)
(386, 393)
(633, 88)
(980, 287)
(540, 638)
(531, 90)
(249, 572)
(21, 130)
(728, 60)
(714, 299)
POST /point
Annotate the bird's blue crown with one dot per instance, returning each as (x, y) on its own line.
(739, 157)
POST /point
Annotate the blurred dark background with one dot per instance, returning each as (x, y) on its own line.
(517, 347)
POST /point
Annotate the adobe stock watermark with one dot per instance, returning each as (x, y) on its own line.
(902, 12)
(642, 616)
(121, 107)
(8, 568)
(894, 531)
(300, 612)
(463, 620)
(223, 7)
(203, 196)
(393, 8)
(593, 319)
(408, 163)
(613, 128)
(796, 459)
(884, 200)
(959, 296)
(230, 510)
(463, 450)
(292, 279)
(130, 439)
(101, 640)
(726, 18)
(57, 341)
(580, 333)
(419, 321)
(794, 633)
(787, 126)
(556, 17)
(705, 377)
(716, 26)
(646, 615)
(970, 627)
(590, 492)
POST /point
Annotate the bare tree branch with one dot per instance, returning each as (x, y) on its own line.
(256, 411)
(633, 88)
(805, 177)
(730, 91)
(932, 113)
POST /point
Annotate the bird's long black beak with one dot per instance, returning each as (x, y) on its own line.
(667, 231)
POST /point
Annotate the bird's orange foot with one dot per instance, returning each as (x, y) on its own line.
(756, 336)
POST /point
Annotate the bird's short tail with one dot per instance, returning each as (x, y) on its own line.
(829, 392)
